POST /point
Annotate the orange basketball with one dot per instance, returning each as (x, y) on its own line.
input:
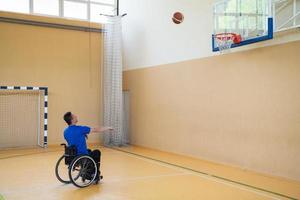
(178, 18)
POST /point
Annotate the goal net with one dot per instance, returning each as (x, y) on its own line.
(21, 118)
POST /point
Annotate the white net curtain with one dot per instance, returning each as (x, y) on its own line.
(112, 83)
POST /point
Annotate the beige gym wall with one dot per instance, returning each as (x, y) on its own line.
(67, 61)
(242, 109)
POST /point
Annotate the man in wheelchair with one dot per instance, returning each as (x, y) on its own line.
(76, 136)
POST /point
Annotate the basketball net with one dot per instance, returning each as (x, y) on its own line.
(224, 41)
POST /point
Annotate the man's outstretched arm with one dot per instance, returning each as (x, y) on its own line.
(101, 129)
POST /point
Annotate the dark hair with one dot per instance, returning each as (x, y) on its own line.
(68, 118)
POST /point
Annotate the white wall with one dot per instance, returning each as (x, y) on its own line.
(151, 38)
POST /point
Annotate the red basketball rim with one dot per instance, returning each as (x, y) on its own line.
(236, 38)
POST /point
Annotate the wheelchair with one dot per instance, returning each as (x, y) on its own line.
(79, 170)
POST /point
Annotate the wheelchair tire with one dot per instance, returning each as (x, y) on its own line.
(83, 171)
(61, 161)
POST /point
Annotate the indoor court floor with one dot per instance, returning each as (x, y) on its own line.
(137, 173)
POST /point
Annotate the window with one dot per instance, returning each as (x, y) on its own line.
(48, 7)
(89, 10)
(111, 2)
(75, 10)
(20, 6)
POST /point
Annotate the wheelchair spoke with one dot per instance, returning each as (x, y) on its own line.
(84, 166)
(79, 174)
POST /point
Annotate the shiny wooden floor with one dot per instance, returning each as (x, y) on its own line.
(137, 173)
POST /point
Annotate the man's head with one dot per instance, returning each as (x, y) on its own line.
(70, 118)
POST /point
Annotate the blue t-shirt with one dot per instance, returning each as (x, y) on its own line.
(75, 135)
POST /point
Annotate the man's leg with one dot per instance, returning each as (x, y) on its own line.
(96, 155)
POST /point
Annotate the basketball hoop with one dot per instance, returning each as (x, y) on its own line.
(225, 40)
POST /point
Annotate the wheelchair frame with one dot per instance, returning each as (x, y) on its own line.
(82, 170)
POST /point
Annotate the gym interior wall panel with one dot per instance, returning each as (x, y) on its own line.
(68, 62)
(241, 109)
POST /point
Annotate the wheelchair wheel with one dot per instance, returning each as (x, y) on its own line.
(61, 171)
(83, 171)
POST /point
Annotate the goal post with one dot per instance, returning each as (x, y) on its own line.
(23, 116)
